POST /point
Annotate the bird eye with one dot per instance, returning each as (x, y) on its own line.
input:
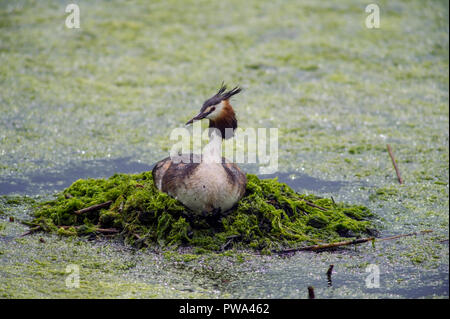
(213, 109)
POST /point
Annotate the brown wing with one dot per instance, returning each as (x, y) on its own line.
(168, 173)
(159, 170)
(235, 176)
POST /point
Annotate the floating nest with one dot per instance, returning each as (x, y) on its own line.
(270, 216)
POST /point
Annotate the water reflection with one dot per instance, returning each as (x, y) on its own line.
(57, 179)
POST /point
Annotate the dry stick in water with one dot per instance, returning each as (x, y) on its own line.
(329, 273)
(100, 230)
(405, 235)
(32, 230)
(311, 292)
(327, 246)
(94, 207)
(346, 243)
(330, 270)
(400, 180)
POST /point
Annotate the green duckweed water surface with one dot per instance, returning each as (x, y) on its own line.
(75, 101)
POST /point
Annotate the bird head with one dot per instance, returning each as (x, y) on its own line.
(219, 111)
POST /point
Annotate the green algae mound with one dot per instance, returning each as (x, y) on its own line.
(270, 216)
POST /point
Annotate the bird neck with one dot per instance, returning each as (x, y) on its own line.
(226, 122)
(212, 153)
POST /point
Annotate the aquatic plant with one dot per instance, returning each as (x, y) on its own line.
(270, 216)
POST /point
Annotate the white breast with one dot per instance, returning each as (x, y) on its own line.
(208, 189)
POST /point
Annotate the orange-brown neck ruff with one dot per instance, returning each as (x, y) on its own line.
(226, 119)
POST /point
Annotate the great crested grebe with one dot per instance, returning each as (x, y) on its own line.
(206, 183)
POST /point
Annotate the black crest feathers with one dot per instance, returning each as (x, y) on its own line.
(221, 95)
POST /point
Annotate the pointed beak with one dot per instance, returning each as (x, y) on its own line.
(197, 117)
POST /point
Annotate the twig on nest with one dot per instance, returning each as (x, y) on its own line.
(94, 207)
(137, 236)
(314, 205)
(346, 243)
(400, 180)
(107, 230)
(327, 246)
(230, 240)
(100, 230)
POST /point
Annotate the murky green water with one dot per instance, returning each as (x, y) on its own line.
(104, 98)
